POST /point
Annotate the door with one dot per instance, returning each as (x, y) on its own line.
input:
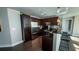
(65, 25)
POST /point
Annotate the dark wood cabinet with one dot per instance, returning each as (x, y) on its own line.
(53, 21)
(47, 43)
(26, 27)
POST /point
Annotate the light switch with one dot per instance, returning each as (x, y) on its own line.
(13, 29)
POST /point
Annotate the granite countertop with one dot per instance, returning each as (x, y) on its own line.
(51, 31)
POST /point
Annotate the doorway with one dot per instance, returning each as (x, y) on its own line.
(67, 25)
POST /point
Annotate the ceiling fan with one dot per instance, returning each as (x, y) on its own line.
(62, 10)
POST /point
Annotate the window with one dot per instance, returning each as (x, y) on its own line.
(34, 24)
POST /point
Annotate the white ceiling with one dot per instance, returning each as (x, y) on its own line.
(44, 12)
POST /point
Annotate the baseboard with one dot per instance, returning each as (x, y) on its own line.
(19, 42)
(12, 45)
(3, 46)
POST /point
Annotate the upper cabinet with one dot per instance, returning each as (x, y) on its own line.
(52, 21)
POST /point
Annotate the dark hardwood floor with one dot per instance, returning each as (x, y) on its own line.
(33, 45)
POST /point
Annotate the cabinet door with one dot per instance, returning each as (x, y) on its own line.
(26, 27)
(46, 44)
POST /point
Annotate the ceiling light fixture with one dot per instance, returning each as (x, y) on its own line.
(62, 10)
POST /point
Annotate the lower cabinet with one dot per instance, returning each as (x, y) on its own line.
(47, 43)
